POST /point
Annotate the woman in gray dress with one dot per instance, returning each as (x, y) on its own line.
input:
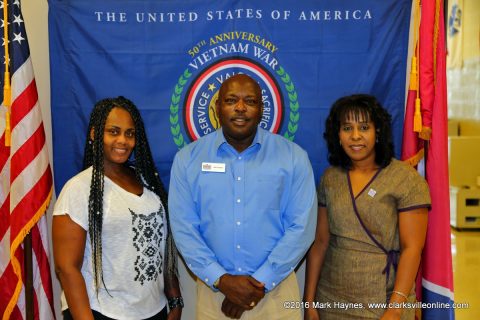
(372, 220)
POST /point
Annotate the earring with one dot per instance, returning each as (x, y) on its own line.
(376, 140)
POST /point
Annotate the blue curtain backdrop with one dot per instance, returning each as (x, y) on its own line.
(170, 57)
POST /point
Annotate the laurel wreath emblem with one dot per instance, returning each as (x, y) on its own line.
(293, 119)
(294, 106)
(174, 104)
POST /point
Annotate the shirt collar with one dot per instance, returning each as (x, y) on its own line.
(257, 140)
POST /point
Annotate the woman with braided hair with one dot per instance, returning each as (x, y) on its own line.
(113, 251)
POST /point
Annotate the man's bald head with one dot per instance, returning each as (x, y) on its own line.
(243, 78)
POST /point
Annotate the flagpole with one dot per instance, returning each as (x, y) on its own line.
(6, 85)
(27, 251)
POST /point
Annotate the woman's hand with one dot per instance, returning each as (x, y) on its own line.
(175, 314)
(311, 314)
(392, 314)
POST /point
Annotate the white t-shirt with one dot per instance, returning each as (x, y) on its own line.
(133, 242)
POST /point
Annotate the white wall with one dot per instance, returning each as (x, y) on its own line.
(464, 90)
(463, 82)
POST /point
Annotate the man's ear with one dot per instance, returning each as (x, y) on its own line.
(92, 134)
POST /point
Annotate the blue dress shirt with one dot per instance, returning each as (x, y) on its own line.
(256, 218)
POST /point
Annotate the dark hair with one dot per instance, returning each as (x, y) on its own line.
(367, 107)
(145, 172)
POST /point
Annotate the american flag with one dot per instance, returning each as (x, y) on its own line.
(25, 176)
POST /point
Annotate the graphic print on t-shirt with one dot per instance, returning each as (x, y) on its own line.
(148, 230)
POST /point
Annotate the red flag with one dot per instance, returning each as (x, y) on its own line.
(25, 178)
(436, 268)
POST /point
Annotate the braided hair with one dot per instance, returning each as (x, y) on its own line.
(145, 173)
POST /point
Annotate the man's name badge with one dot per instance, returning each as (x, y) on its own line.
(213, 167)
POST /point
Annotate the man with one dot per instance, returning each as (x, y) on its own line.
(243, 211)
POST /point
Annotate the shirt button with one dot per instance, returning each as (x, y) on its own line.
(238, 223)
(273, 284)
(239, 269)
(239, 178)
(239, 158)
(206, 279)
(238, 200)
(238, 246)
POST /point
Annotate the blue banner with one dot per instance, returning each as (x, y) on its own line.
(170, 58)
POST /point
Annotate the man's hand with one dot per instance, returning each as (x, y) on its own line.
(244, 291)
(231, 309)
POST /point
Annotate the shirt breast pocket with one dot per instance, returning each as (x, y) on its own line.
(212, 184)
(269, 191)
